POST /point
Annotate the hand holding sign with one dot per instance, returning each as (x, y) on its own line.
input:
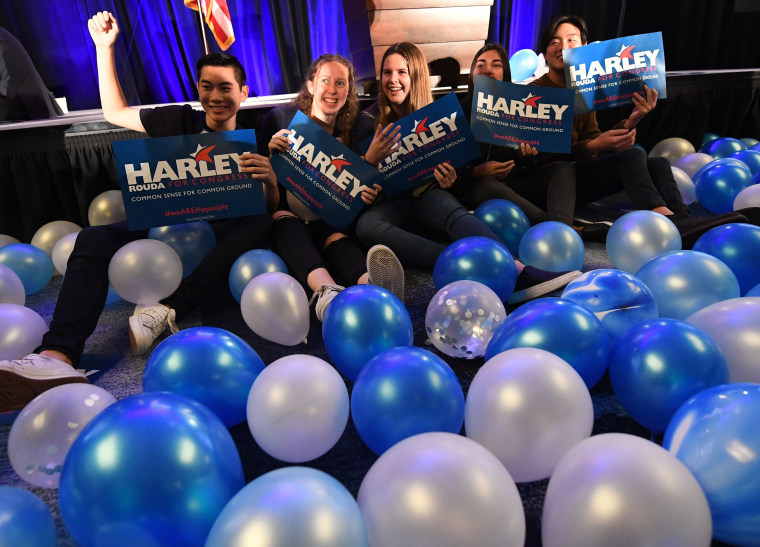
(642, 105)
(445, 174)
(383, 143)
(279, 142)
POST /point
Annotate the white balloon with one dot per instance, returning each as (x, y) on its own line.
(48, 235)
(47, 427)
(274, 306)
(106, 208)
(62, 251)
(441, 489)
(298, 408)
(11, 287)
(691, 163)
(639, 236)
(620, 490)
(21, 331)
(672, 149)
(145, 271)
(7, 240)
(735, 326)
(749, 197)
(685, 185)
(528, 407)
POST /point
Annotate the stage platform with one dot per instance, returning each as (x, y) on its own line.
(52, 169)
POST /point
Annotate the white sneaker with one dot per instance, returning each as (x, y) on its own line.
(324, 295)
(385, 270)
(147, 324)
(21, 380)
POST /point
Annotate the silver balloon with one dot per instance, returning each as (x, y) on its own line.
(7, 240)
(11, 287)
(145, 271)
(441, 489)
(691, 163)
(62, 251)
(749, 197)
(619, 490)
(685, 185)
(528, 407)
(735, 326)
(310, 420)
(462, 317)
(48, 235)
(672, 149)
(106, 208)
(21, 331)
(274, 306)
(639, 236)
(47, 427)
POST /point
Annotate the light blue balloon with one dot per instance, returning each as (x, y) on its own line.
(506, 220)
(361, 322)
(715, 435)
(478, 259)
(756, 147)
(751, 158)
(718, 186)
(32, 265)
(112, 296)
(191, 240)
(683, 282)
(152, 469)
(618, 299)
(749, 142)
(552, 246)
(639, 236)
(659, 364)
(754, 291)
(560, 327)
(722, 147)
(738, 247)
(709, 137)
(402, 392)
(249, 265)
(523, 64)
(291, 506)
(25, 520)
(207, 364)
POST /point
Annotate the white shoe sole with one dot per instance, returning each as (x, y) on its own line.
(387, 271)
(139, 341)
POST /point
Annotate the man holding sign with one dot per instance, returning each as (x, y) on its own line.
(221, 88)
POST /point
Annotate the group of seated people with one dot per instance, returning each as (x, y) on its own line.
(409, 230)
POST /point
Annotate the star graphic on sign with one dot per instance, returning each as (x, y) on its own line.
(625, 52)
(531, 100)
(202, 154)
(339, 162)
(419, 126)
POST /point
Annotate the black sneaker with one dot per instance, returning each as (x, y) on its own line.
(692, 228)
(595, 232)
(532, 283)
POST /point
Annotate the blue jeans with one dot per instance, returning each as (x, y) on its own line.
(418, 229)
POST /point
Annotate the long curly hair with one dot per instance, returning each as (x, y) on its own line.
(419, 94)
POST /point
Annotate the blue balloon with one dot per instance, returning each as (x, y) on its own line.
(756, 147)
(291, 506)
(32, 265)
(715, 435)
(523, 64)
(249, 265)
(560, 327)
(754, 291)
(683, 282)
(721, 161)
(637, 145)
(618, 299)
(718, 186)
(478, 259)
(659, 364)
(552, 246)
(207, 364)
(738, 247)
(112, 296)
(362, 321)
(402, 392)
(25, 520)
(751, 158)
(749, 142)
(151, 469)
(506, 220)
(722, 147)
(191, 240)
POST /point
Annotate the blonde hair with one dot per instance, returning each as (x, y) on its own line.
(346, 118)
(419, 74)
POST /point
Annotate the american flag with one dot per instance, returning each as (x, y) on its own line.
(217, 16)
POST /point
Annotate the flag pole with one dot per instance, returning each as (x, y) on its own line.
(203, 27)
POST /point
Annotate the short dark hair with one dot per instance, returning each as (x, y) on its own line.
(551, 29)
(219, 58)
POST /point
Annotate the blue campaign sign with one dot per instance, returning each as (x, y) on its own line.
(432, 135)
(607, 74)
(508, 114)
(171, 180)
(323, 173)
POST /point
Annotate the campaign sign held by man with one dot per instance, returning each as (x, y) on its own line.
(508, 114)
(171, 180)
(432, 135)
(607, 74)
(323, 173)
